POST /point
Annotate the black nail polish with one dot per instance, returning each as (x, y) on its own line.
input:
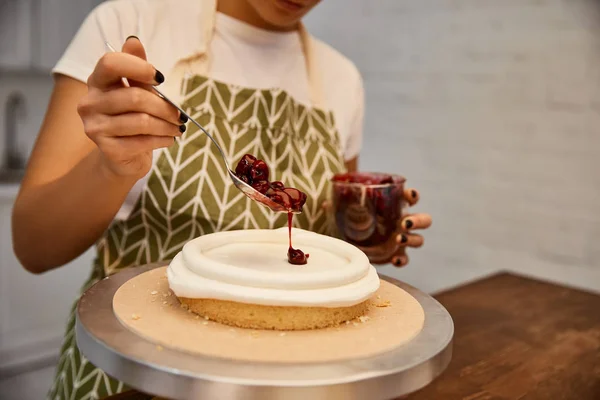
(408, 224)
(414, 194)
(398, 262)
(182, 118)
(404, 239)
(159, 77)
(182, 128)
(132, 37)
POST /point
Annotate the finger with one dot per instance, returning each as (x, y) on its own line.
(130, 100)
(400, 259)
(132, 124)
(132, 145)
(114, 66)
(134, 46)
(410, 240)
(411, 196)
(416, 221)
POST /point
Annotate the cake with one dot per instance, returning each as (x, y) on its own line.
(243, 279)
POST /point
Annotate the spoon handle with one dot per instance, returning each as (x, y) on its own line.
(161, 95)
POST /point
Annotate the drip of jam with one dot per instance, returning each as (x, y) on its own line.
(295, 256)
(255, 173)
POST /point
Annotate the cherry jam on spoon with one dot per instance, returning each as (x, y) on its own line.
(254, 173)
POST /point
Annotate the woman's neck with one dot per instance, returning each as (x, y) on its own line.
(242, 10)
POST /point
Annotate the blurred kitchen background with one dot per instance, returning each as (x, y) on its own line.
(491, 108)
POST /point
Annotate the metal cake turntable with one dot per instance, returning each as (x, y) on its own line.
(177, 374)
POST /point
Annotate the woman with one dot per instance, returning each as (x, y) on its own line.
(117, 163)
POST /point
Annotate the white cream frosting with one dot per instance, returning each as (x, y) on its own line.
(250, 266)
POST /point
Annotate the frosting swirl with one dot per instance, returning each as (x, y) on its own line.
(250, 266)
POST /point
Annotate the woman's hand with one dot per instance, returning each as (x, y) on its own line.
(127, 123)
(409, 223)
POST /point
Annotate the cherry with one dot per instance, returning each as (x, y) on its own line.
(261, 186)
(297, 257)
(297, 198)
(259, 171)
(244, 166)
(277, 185)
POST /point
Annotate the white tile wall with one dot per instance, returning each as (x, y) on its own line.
(491, 109)
(33, 309)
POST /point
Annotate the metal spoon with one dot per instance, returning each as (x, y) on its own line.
(240, 184)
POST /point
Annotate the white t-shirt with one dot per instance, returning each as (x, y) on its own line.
(240, 54)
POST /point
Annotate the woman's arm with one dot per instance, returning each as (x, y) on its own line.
(68, 197)
(83, 166)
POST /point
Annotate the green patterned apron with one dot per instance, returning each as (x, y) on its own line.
(189, 192)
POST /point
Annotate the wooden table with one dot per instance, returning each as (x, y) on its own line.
(516, 338)
(519, 338)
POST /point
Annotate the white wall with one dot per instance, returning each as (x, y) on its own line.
(491, 109)
(33, 309)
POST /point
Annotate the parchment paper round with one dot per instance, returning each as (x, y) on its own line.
(145, 305)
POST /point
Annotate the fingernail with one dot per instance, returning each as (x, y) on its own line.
(159, 77)
(404, 239)
(408, 224)
(132, 36)
(413, 193)
(182, 128)
(182, 118)
(397, 261)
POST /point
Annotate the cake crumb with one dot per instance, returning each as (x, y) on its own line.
(197, 317)
(355, 324)
(205, 323)
(165, 302)
(254, 334)
(378, 297)
(185, 306)
(347, 322)
(206, 318)
(153, 292)
(282, 334)
(384, 304)
(159, 348)
(135, 317)
(364, 318)
(232, 330)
